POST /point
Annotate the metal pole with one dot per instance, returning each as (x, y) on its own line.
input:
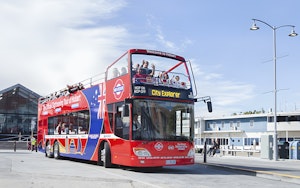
(275, 149)
(204, 150)
(292, 34)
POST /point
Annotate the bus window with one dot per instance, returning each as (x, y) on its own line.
(74, 123)
(51, 126)
(83, 122)
(121, 123)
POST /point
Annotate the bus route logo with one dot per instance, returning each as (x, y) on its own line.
(118, 89)
(158, 146)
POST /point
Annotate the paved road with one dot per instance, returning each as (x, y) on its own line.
(31, 169)
(284, 169)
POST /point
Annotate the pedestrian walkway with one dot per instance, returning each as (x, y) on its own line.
(284, 169)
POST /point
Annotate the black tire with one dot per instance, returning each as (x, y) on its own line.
(56, 153)
(48, 150)
(107, 156)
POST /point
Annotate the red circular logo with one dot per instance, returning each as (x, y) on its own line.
(118, 89)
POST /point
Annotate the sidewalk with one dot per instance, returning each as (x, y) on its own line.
(284, 169)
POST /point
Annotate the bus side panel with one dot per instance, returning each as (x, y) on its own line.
(80, 146)
(96, 101)
(118, 89)
(85, 146)
(120, 151)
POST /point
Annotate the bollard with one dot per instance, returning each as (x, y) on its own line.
(204, 150)
(15, 146)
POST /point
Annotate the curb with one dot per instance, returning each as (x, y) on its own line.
(261, 174)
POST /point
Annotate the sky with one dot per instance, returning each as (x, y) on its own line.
(45, 45)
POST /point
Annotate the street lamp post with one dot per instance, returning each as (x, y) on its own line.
(292, 34)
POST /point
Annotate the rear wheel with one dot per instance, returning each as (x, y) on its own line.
(56, 153)
(48, 150)
(106, 156)
(100, 160)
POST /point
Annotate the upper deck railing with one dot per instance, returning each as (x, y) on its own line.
(94, 80)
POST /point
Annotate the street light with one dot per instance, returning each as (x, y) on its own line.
(292, 34)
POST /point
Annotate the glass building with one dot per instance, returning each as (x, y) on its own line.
(18, 111)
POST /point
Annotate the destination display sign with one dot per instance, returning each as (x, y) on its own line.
(160, 91)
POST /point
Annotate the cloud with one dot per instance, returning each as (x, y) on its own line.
(178, 45)
(226, 94)
(48, 44)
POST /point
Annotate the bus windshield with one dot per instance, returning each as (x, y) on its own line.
(162, 120)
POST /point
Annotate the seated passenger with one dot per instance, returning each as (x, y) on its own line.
(81, 130)
(64, 129)
(80, 86)
(116, 73)
(123, 71)
(176, 81)
(164, 77)
(134, 69)
(72, 88)
(58, 128)
(72, 132)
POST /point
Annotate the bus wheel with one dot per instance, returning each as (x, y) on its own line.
(107, 156)
(56, 153)
(100, 156)
(48, 150)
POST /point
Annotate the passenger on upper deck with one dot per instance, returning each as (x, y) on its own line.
(175, 81)
(116, 72)
(164, 77)
(140, 74)
(143, 73)
(145, 65)
(73, 88)
(80, 86)
(123, 71)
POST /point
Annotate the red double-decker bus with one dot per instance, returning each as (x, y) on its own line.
(139, 113)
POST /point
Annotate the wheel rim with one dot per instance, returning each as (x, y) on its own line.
(55, 150)
(103, 155)
(48, 150)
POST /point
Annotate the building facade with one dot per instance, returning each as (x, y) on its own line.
(18, 111)
(244, 132)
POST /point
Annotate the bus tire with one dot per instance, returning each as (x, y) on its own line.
(48, 150)
(100, 161)
(107, 156)
(56, 153)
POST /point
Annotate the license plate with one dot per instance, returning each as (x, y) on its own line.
(170, 162)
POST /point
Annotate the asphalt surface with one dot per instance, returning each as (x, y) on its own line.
(287, 170)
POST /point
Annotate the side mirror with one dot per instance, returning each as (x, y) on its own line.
(209, 106)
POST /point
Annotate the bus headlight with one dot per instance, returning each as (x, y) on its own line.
(191, 153)
(141, 152)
